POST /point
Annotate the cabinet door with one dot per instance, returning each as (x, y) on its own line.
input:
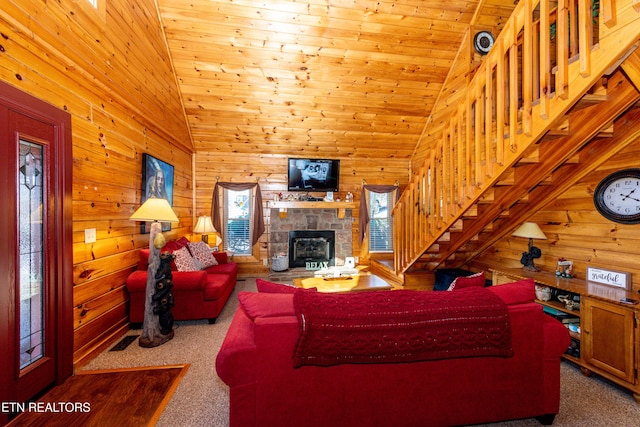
(607, 338)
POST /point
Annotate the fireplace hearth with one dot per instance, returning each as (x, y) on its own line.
(312, 249)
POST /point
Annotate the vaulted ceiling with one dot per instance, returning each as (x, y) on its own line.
(347, 78)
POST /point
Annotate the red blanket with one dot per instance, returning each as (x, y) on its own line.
(400, 326)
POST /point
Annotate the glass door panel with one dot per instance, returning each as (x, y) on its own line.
(31, 252)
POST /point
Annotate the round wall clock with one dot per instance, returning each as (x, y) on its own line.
(617, 197)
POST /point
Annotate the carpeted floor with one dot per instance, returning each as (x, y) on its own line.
(202, 399)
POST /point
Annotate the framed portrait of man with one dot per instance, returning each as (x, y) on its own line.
(157, 181)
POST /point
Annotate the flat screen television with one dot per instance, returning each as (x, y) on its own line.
(313, 175)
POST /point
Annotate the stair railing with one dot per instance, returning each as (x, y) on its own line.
(542, 63)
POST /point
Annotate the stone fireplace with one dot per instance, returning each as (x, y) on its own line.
(298, 219)
(311, 248)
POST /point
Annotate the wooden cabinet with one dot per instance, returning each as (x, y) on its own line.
(608, 338)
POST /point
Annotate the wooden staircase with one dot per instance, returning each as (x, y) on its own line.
(540, 114)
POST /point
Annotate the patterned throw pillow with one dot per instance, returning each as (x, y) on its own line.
(202, 252)
(184, 261)
(467, 282)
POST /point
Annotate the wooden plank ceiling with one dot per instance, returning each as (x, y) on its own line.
(342, 78)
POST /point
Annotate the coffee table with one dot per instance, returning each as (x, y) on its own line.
(361, 282)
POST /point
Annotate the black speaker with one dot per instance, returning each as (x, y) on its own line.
(483, 42)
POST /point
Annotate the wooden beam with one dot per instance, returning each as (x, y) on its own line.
(562, 40)
(527, 70)
(608, 12)
(545, 61)
(631, 67)
(585, 38)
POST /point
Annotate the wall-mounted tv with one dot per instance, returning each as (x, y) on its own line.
(313, 175)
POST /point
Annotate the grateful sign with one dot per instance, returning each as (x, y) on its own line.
(619, 279)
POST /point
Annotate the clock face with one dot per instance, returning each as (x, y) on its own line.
(617, 197)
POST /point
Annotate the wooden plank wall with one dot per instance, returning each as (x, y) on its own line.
(271, 173)
(576, 231)
(110, 70)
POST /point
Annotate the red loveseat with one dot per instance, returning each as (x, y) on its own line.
(257, 357)
(199, 294)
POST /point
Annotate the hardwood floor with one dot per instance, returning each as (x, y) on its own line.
(123, 397)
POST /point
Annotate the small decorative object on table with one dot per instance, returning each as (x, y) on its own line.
(543, 293)
(568, 301)
(564, 268)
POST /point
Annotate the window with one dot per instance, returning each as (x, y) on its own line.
(237, 221)
(93, 8)
(381, 222)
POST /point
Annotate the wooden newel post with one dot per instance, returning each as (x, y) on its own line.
(151, 331)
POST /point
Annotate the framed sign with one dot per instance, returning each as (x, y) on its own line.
(157, 181)
(618, 279)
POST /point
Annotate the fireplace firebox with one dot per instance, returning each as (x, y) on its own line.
(312, 249)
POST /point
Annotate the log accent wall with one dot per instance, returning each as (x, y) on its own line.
(576, 231)
(108, 68)
(271, 173)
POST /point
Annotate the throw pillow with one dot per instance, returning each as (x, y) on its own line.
(221, 257)
(202, 252)
(520, 292)
(174, 245)
(467, 282)
(274, 288)
(265, 304)
(184, 261)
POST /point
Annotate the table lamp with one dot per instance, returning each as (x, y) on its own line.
(530, 230)
(154, 210)
(204, 226)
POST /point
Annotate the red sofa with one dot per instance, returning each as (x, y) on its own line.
(256, 361)
(198, 294)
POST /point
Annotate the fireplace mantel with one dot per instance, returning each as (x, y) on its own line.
(340, 206)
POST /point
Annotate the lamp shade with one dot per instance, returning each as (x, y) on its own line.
(204, 225)
(529, 230)
(155, 209)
